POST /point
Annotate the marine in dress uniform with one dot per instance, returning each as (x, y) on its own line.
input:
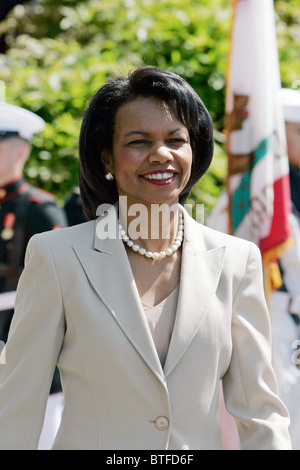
(24, 210)
(285, 303)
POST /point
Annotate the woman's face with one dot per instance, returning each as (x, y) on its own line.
(293, 141)
(152, 155)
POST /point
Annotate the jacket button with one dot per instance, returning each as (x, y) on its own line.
(162, 423)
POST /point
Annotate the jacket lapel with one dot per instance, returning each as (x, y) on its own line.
(109, 272)
(200, 274)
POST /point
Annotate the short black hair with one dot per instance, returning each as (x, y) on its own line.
(97, 129)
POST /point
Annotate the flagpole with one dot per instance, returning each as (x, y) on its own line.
(226, 131)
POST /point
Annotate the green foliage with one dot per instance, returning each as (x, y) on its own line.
(60, 53)
(288, 37)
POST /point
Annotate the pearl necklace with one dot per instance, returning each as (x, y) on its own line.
(154, 255)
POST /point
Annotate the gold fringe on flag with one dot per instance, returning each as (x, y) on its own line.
(271, 271)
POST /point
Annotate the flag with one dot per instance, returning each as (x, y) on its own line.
(258, 184)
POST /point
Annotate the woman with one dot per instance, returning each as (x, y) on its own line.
(143, 325)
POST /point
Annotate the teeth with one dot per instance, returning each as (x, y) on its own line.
(159, 176)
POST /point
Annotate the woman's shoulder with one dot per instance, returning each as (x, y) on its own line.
(78, 234)
(218, 235)
(237, 247)
(209, 238)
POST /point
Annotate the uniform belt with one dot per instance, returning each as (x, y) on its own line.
(7, 300)
(287, 302)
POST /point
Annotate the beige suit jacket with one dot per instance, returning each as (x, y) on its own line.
(78, 306)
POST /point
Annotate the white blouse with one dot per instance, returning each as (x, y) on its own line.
(161, 319)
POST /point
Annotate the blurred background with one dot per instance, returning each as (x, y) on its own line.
(55, 54)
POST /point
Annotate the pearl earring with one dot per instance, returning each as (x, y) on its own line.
(109, 176)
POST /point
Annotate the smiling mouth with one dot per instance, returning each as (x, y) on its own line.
(165, 177)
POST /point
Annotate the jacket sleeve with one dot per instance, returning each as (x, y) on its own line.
(250, 389)
(28, 360)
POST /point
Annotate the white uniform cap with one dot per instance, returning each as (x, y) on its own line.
(19, 121)
(290, 100)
